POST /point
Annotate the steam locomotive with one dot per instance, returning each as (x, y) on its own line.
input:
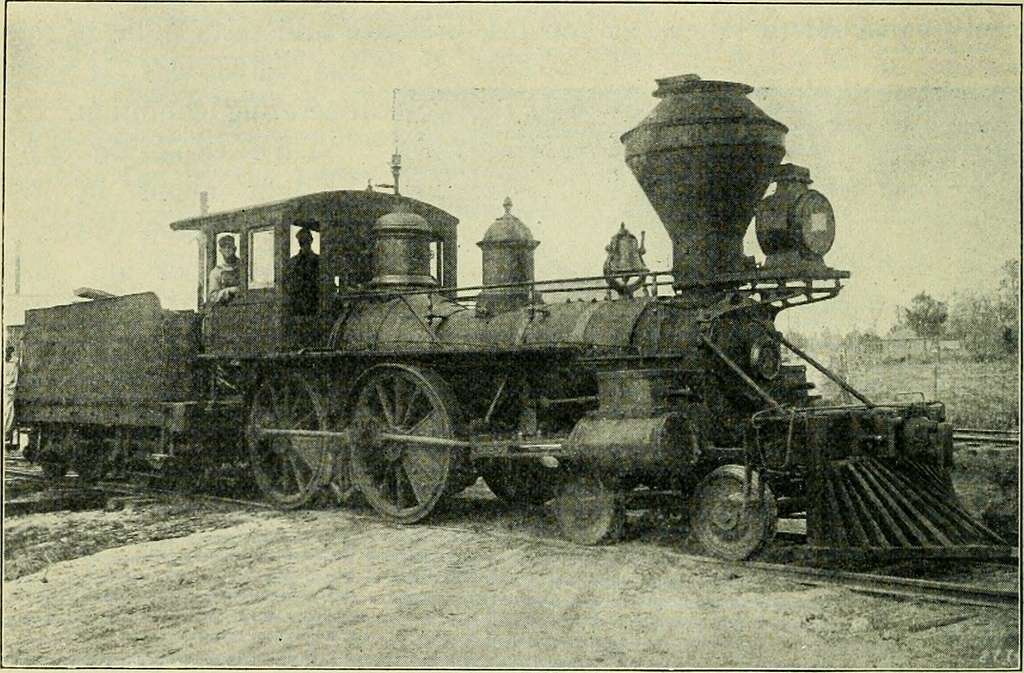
(590, 393)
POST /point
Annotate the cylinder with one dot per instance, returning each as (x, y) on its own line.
(656, 447)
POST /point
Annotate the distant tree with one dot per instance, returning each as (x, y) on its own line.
(871, 340)
(1008, 305)
(927, 316)
(976, 321)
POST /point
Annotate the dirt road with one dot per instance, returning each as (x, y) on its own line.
(487, 586)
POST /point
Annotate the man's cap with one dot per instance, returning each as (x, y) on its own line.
(304, 235)
(223, 240)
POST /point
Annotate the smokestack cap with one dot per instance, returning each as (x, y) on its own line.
(694, 84)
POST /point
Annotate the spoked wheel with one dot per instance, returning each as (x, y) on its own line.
(590, 510)
(518, 482)
(289, 467)
(732, 519)
(404, 481)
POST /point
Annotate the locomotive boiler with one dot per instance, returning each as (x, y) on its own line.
(590, 393)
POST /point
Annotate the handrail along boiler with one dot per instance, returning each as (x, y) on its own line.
(406, 387)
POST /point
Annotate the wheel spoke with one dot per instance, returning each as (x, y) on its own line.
(298, 397)
(309, 449)
(417, 395)
(284, 475)
(303, 422)
(424, 467)
(385, 403)
(425, 425)
(283, 404)
(396, 469)
(276, 404)
(300, 480)
(400, 399)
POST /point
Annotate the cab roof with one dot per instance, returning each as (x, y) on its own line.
(310, 209)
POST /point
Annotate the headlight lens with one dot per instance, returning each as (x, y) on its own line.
(765, 358)
(815, 222)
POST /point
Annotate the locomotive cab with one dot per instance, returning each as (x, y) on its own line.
(266, 313)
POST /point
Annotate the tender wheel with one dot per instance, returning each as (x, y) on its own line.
(518, 482)
(54, 467)
(288, 468)
(403, 481)
(52, 455)
(87, 458)
(589, 510)
(729, 519)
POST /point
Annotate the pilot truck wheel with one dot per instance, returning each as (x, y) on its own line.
(404, 480)
(590, 510)
(731, 519)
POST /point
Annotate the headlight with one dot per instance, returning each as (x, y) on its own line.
(814, 223)
(795, 225)
(765, 358)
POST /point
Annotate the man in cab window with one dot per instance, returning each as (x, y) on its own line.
(225, 278)
(302, 277)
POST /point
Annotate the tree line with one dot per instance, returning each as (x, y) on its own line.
(987, 324)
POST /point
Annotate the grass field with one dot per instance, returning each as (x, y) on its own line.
(976, 394)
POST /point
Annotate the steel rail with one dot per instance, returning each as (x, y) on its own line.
(990, 431)
(117, 488)
(893, 585)
(1008, 440)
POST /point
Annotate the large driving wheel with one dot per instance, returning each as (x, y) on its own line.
(289, 466)
(731, 518)
(403, 480)
(518, 482)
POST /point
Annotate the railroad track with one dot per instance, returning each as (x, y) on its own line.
(1010, 439)
(60, 501)
(893, 586)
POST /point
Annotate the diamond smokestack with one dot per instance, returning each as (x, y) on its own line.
(704, 157)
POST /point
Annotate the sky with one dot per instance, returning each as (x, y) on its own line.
(117, 116)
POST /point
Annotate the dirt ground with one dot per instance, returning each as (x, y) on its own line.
(179, 584)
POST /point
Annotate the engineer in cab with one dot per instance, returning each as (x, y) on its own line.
(224, 281)
(302, 278)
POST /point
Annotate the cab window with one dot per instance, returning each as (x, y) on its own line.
(293, 243)
(261, 258)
